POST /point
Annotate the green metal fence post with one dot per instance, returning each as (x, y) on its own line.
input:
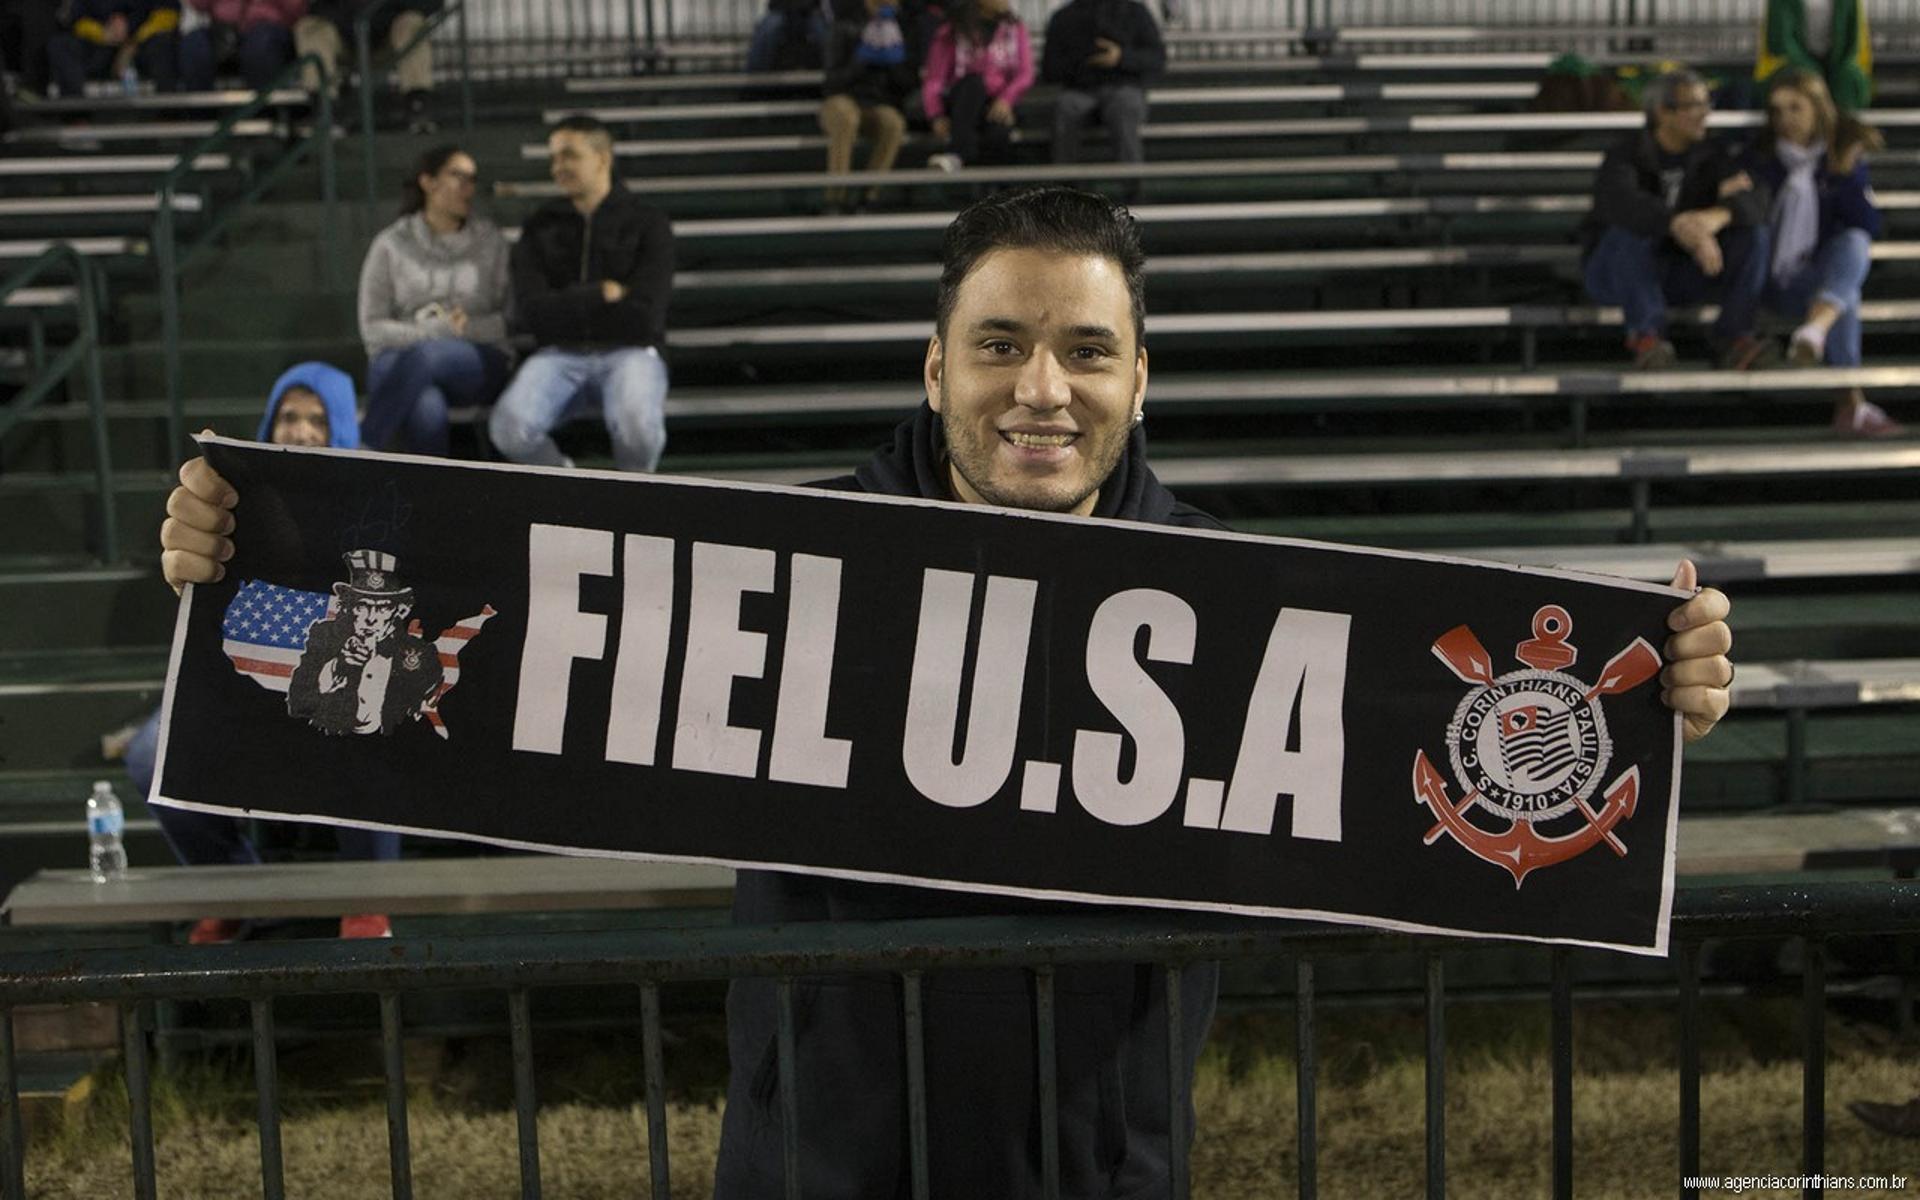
(466, 73)
(329, 189)
(363, 53)
(92, 299)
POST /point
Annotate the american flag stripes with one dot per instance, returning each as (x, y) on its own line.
(265, 630)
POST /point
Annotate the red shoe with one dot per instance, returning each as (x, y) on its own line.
(213, 931)
(366, 925)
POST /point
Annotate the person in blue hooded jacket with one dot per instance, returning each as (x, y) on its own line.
(312, 404)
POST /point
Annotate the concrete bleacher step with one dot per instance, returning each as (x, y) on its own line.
(1853, 757)
(84, 608)
(1595, 527)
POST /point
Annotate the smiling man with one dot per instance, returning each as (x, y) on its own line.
(1036, 379)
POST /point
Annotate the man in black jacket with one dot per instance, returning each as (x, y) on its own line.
(1035, 378)
(1675, 221)
(1102, 53)
(591, 278)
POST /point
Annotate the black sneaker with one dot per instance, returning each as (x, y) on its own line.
(1651, 352)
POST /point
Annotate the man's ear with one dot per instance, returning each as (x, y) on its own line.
(1139, 381)
(931, 370)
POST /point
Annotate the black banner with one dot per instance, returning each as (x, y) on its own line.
(943, 694)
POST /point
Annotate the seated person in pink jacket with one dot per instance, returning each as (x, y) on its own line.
(254, 35)
(979, 65)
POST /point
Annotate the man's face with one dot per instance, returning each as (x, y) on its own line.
(1684, 121)
(1037, 379)
(450, 189)
(301, 420)
(577, 166)
(375, 620)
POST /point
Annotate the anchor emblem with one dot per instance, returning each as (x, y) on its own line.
(1531, 746)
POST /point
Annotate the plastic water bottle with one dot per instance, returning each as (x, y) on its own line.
(106, 855)
(130, 81)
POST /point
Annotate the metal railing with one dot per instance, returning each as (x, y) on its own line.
(135, 978)
(82, 354)
(528, 37)
(170, 258)
(363, 21)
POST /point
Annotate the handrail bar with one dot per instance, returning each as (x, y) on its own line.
(167, 260)
(837, 948)
(83, 353)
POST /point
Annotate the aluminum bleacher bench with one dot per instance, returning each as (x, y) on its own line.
(1524, 317)
(1796, 688)
(1210, 214)
(518, 883)
(133, 131)
(99, 246)
(107, 105)
(1724, 562)
(1175, 265)
(107, 164)
(91, 206)
(550, 883)
(1505, 163)
(1210, 392)
(1775, 842)
(1324, 93)
(43, 297)
(1458, 61)
(1306, 127)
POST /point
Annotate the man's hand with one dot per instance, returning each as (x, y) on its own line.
(194, 541)
(612, 291)
(1000, 112)
(1706, 252)
(1696, 232)
(1735, 183)
(943, 128)
(1698, 671)
(457, 321)
(1106, 54)
(115, 31)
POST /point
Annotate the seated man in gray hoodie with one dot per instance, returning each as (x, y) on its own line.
(433, 299)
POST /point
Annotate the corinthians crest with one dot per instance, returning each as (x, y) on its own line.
(1531, 748)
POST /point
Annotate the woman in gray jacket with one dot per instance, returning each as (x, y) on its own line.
(433, 301)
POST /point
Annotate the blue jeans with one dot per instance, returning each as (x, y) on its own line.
(1836, 273)
(71, 62)
(1644, 275)
(628, 388)
(409, 391)
(261, 52)
(201, 839)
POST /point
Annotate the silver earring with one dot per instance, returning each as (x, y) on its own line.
(1139, 415)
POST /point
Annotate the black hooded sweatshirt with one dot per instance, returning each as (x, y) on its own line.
(983, 1114)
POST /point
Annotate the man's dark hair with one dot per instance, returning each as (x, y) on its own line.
(1061, 219)
(596, 130)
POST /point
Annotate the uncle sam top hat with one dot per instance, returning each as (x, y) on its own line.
(374, 576)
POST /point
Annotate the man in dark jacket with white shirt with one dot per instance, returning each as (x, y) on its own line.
(1676, 221)
(592, 275)
(1102, 53)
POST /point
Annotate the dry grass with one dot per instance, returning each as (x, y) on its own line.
(593, 1131)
